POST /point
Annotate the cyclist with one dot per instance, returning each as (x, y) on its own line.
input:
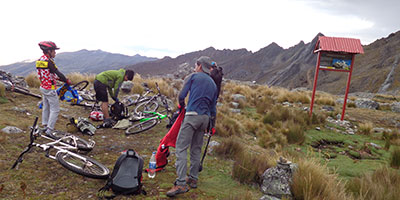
(110, 80)
(201, 107)
(48, 74)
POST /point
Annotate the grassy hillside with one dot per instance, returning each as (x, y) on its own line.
(332, 165)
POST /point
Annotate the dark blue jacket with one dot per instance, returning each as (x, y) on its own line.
(203, 94)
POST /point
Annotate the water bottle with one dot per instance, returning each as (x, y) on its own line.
(152, 166)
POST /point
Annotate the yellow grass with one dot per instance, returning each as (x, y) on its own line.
(76, 77)
(314, 181)
(381, 184)
(365, 128)
(2, 90)
(32, 80)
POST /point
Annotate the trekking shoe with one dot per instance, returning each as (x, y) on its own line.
(177, 189)
(191, 182)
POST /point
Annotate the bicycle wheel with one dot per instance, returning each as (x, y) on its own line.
(149, 106)
(83, 165)
(141, 126)
(81, 144)
(80, 86)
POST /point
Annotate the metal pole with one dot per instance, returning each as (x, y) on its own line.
(347, 88)
(315, 82)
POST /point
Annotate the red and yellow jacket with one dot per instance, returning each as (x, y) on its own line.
(48, 73)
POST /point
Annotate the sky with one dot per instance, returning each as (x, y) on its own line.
(158, 28)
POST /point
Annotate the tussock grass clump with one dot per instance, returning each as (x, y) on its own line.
(395, 158)
(313, 181)
(252, 126)
(32, 80)
(277, 113)
(229, 148)
(365, 128)
(294, 133)
(292, 97)
(351, 105)
(263, 104)
(325, 100)
(227, 126)
(247, 195)
(383, 183)
(271, 139)
(2, 90)
(248, 168)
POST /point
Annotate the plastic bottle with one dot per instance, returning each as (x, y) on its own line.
(152, 166)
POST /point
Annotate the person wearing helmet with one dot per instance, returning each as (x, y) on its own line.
(110, 80)
(48, 74)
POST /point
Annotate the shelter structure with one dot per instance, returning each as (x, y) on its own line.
(335, 54)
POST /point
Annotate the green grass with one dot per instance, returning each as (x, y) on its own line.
(345, 165)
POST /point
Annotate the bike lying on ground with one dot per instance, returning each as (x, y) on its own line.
(75, 162)
(152, 104)
(145, 122)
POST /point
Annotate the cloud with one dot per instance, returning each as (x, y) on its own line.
(170, 28)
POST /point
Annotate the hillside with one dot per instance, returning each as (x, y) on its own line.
(375, 71)
(83, 61)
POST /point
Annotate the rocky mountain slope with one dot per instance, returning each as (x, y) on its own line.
(375, 71)
(83, 61)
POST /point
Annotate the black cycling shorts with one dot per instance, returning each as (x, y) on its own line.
(101, 91)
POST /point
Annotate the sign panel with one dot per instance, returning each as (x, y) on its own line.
(337, 61)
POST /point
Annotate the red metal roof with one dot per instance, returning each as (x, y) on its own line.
(336, 44)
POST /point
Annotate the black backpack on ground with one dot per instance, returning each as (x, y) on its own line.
(126, 177)
(118, 111)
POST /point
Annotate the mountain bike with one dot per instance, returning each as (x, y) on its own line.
(80, 164)
(144, 122)
(136, 99)
(152, 105)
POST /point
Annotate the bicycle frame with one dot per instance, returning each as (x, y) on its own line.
(156, 115)
(62, 147)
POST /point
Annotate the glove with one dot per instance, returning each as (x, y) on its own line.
(68, 82)
(182, 103)
(212, 131)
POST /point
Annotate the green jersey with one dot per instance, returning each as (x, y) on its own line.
(113, 80)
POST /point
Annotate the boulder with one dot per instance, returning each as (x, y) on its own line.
(235, 110)
(277, 180)
(127, 86)
(395, 107)
(267, 197)
(238, 97)
(367, 103)
(235, 104)
(11, 130)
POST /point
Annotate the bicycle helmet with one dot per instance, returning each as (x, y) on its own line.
(48, 45)
(96, 116)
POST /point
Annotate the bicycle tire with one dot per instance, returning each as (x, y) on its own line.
(88, 167)
(149, 106)
(82, 144)
(80, 85)
(141, 126)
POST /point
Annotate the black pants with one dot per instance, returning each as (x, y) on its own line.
(101, 91)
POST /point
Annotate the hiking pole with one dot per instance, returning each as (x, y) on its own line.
(204, 154)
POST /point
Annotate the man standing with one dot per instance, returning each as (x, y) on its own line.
(110, 80)
(48, 74)
(201, 109)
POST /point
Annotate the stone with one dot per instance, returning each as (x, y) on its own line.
(212, 145)
(367, 103)
(328, 108)
(287, 104)
(21, 110)
(277, 180)
(11, 130)
(238, 97)
(235, 110)
(127, 86)
(267, 197)
(219, 104)
(378, 130)
(341, 101)
(235, 104)
(318, 128)
(395, 107)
